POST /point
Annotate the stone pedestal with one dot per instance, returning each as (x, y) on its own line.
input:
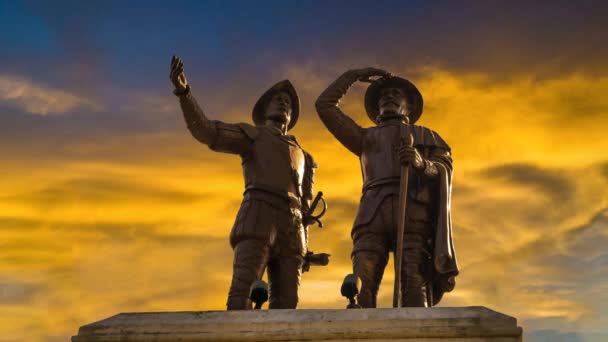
(406, 324)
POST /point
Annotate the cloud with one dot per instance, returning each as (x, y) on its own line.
(124, 267)
(39, 99)
(553, 335)
(553, 183)
(142, 220)
(122, 210)
(8, 222)
(103, 190)
(16, 292)
(604, 169)
(557, 274)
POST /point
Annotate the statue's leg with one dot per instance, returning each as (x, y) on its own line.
(369, 267)
(284, 274)
(416, 253)
(370, 253)
(415, 271)
(287, 258)
(250, 258)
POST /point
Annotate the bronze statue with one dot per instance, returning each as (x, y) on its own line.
(429, 262)
(270, 230)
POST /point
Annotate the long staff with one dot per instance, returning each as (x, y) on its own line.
(397, 292)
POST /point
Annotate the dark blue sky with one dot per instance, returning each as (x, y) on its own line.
(107, 51)
(129, 43)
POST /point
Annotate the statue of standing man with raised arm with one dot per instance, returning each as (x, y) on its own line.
(270, 228)
(429, 263)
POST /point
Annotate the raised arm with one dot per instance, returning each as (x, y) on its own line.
(345, 129)
(219, 136)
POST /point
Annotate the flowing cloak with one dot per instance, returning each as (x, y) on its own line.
(438, 152)
(444, 256)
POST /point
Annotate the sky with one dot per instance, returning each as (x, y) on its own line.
(109, 205)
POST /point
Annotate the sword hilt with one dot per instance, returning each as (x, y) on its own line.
(310, 214)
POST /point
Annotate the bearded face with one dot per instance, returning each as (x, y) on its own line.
(392, 101)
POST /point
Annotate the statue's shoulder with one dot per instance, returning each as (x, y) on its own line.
(428, 137)
(251, 131)
(308, 157)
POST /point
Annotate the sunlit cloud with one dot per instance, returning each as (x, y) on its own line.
(142, 220)
(39, 99)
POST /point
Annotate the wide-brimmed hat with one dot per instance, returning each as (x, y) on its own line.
(259, 110)
(414, 98)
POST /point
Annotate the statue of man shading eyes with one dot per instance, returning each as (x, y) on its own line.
(270, 228)
(429, 263)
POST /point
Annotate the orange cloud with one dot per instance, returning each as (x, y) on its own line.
(141, 222)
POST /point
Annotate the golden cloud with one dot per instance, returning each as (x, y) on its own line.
(141, 222)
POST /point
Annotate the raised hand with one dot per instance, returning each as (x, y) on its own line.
(363, 75)
(177, 75)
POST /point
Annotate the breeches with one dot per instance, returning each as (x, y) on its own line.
(265, 237)
(374, 240)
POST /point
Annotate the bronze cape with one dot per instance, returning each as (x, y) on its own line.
(429, 257)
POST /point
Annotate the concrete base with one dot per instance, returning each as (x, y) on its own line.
(406, 324)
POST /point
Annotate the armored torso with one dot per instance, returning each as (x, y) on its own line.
(379, 155)
(381, 169)
(275, 163)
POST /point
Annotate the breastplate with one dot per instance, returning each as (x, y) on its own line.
(380, 155)
(274, 164)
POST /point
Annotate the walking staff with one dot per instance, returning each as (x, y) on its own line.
(403, 182)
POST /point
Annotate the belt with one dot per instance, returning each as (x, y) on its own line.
(379, 182)
(282, 200)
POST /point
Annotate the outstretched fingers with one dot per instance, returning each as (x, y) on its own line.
(177, 70)
(173, 73)
(176, 64)
(173, 66)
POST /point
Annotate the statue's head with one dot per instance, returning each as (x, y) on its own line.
(278, 108)
(280, 103)
(393, 97)
(392, 102)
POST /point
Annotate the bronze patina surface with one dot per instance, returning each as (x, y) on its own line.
(270, 229)
(429, 261)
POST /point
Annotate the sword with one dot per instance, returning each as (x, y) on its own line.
(313, 206)
(397, 295)
(321, 259)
